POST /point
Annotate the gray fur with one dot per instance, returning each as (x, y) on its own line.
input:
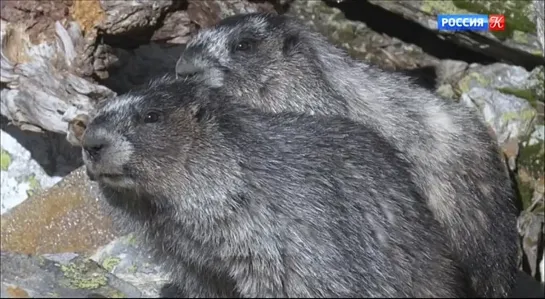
(241, 202)
(290, 67)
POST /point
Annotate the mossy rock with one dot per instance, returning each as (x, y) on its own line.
(472, 79)
(83, 275)
(441, 7)
(531, 161)
(34, 185)
(533, 93)
(532, 157)
(109, 263)
(527, 94)
(525, 191)
(517, 15)
(5, 160)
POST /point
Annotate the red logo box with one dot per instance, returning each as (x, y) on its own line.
(496, 22)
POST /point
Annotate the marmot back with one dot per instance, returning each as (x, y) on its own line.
(240, 202)
(275, 63)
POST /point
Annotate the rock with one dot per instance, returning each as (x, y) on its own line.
(58, 276)
(509, 97)
(530, 179)
(32, 162)
(508, 115)
(539, 14)
(358, 39)
(530, 225)
(64, 218)
(20, 175)
(518, 44)
(448, 72)
(127, 259)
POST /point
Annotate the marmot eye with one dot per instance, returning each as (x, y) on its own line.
(151, 117)
(243, 46)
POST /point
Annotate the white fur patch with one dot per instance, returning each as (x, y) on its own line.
(119, 104)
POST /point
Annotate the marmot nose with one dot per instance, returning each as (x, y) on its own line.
(187, 69)
(94, 147)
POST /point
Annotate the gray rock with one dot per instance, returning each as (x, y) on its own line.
(508, 115)
(498, 76)
(358, 39)
(530, 225)
(127, 259)
(519, 43)
(121, 268)
(43, 277)
(538, 136)
(61, 258)
(539, 14)
(20, 174)
(450, 71)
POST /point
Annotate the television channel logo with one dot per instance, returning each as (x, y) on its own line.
(471, 22)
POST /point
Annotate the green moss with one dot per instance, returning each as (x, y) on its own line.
(520, 37)
(133, 268)
(109, 263)
(81, 277)
(41, 261)
(132, 240)
(117, 294)
(537, 77)
(465, 83)
(338, 17)
(53, 295)
(527, 114)
(532, 158)
(5, 160)
(530, 95)
(345, 33)
(34, 185)
(441, 7)
(516, 14)
(519, 93)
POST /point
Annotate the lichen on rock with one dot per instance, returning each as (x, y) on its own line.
(81, 276)
(5, 160)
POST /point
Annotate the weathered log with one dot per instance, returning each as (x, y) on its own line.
(56, 55)
(40, 85)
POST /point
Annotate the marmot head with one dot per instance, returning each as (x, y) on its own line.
(143, 138)
(243, 52)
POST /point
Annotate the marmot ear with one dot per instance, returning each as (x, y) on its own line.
(76, 128)
(291, 43)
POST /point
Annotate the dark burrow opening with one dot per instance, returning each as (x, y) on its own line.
(50, 150)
